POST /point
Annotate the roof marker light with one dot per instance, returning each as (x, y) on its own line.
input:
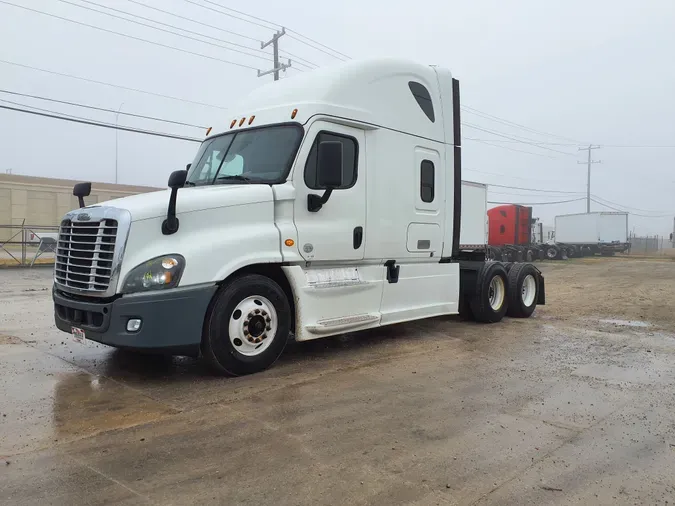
(294, 113)
(241, 121)
(250, 120)
(208, 131)
(234, 122)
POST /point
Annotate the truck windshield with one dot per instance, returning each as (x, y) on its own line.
(262, 155)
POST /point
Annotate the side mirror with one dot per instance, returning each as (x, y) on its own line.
(176, 181)
(81, 190)
(187, 167)
(329, 166)
(329, 173)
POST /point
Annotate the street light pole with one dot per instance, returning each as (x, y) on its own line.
(117, 117)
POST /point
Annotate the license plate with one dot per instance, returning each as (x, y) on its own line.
(78, 335)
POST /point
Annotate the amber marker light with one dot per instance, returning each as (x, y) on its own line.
(289, 242)
(294, 113)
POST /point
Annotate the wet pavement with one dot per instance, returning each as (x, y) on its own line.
(538, 411)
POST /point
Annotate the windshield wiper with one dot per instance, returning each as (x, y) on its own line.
(189, 183)
(238, 177)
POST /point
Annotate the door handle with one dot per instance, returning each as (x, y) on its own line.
(358, 237)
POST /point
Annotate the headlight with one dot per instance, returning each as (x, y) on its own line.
(157, 274)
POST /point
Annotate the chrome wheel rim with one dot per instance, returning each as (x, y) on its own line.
(253, 325)
(529, 290)
(496, 292)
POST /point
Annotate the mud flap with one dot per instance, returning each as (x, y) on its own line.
(541, 291)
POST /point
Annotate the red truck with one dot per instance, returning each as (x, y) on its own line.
(510, 236)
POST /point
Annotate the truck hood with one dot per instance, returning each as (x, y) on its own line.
(153, 205)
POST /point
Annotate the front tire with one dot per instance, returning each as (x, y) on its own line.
(247, 326)
(489, 301)
(523, 290)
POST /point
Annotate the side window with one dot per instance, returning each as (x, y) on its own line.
(350, 153)
(427, 183)
(423, 99)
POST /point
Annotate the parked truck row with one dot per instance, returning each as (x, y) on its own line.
(515, 235)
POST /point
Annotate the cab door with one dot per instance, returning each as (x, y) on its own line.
(336, 232)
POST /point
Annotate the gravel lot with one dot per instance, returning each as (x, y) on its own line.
(573, 406)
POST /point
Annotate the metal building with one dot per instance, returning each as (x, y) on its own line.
(40, 202)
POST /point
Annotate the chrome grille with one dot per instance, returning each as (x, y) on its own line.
(85, 254)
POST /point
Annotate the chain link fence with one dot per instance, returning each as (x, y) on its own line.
(27, 245)
(650, 245)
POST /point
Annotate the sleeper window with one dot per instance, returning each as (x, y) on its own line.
(427, 183)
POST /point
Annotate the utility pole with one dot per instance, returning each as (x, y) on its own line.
(590, 148)
(274, 41)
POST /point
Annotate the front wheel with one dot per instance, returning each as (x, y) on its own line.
(247, 326)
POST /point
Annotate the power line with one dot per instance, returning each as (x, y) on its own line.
(477, 112)
(274, 26)
(535, 194)
(537, 203)
(528, 141)
(201, 55)
(295, 37)
(298, 59)
(267, 58)
(84, 121)
(464, 169)
(630, 212)
(308, 64)
(511, 149)
(636, 146)
(75, 104)
(627, 207)
(194, 21)
(319, 44)
(532, 189)
(5, 101)
(103, 83)
(630, 146)
(538, 143)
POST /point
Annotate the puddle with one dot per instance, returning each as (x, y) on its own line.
(627, 323)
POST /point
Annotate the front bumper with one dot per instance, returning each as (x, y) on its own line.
(172, 320)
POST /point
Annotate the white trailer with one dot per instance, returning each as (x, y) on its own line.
(590, 233)
(330, 203)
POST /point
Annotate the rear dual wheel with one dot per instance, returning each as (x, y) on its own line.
(523, 290)
(511, 289)
(489, 301)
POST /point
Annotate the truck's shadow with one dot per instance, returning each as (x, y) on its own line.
(133, 366)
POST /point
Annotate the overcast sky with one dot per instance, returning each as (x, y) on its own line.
(596, 72)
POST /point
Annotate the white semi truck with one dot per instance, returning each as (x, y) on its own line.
(604, 233)
(330, 203)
